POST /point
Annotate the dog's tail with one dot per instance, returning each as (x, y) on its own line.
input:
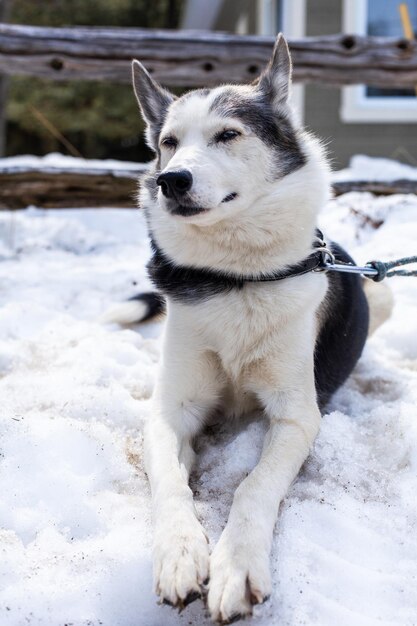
(381, 303)
(140, 308)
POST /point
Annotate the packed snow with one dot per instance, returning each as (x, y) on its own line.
(56, 160)
(75, 516)
(362, 167)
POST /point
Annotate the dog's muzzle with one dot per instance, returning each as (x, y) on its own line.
(175, 187)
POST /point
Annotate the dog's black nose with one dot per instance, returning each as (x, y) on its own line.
(175, 183)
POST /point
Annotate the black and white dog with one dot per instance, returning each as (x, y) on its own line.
(232, 201)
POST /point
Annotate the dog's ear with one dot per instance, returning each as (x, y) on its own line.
(153, 101)
(275, 80)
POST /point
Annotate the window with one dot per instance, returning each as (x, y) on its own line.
(363, 103)
(288, 16)
(270, 16)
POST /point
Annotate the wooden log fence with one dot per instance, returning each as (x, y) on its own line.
(53, 187)
(190, 59)
(377, 187)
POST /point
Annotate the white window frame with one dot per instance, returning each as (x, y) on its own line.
(356, 106)
(294, 26)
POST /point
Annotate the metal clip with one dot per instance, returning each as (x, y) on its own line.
(368, 270)
(325, 253)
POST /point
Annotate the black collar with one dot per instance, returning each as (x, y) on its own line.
(190, 284)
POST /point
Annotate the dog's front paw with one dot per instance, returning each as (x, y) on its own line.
(239, 578)
(181, 561)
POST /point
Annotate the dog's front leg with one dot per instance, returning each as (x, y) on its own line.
(186, 390)
(239, 565)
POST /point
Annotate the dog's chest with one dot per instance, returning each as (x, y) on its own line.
(247, 325)
(237, 326)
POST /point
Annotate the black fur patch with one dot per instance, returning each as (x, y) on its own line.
(344, 330)
(187, 284)
(191, 284)
(274, 130)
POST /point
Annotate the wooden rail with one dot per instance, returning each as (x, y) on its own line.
(377, 187)
(190, 59)
(52, 187)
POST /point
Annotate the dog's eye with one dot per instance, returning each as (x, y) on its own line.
(227, 135)
(169, 142)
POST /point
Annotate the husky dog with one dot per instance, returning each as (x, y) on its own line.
(231, 203)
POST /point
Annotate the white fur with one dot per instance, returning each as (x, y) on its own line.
(124, 313)
(233, 352)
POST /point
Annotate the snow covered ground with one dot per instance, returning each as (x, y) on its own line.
(75, 530)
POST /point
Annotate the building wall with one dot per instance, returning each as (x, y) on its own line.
(322, 104)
